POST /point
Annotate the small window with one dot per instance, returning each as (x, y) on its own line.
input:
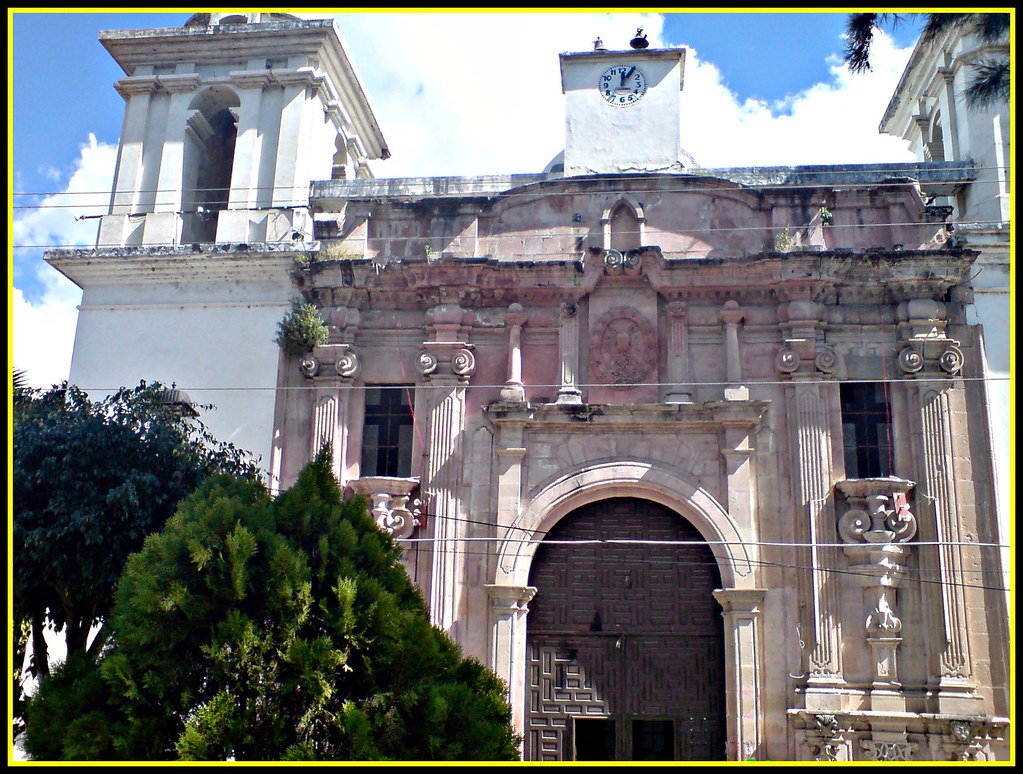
(594, 739)
(866, 430)
(387, 432)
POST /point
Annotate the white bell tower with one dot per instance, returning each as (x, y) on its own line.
(227, 121)
(622, 110)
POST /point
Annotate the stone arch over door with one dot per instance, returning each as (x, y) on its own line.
(625, 642)
(735, 553)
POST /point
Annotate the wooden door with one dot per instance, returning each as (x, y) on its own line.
(625, 640)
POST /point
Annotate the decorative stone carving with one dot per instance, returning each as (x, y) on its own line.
(951, 360)
(826, 738)
(787, 359)
(426, 362)
(824, 751)
(463, 363)
(826, 360)
(922, 329)
(623, 348)
(910, 361)
(888, 751)
(963, 741)
(617, 262)
(875, 523)
(874, 534)
(390, 503)
(309, 366)
(348, 365)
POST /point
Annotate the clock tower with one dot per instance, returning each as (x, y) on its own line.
(622, 110)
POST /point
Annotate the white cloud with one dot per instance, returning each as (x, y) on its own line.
(830, 123)
(469, 94)
(476, 94)
(44, 303)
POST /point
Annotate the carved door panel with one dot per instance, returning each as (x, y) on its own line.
(625, 640)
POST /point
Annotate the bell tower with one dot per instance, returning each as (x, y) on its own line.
(227, 121)
(622, 109)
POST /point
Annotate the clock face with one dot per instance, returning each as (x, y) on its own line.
(622, 85)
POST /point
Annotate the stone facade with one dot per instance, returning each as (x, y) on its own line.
(709, 342)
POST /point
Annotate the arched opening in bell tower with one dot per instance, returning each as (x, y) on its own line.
(209, 159)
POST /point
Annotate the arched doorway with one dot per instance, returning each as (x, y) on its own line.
(625, 642)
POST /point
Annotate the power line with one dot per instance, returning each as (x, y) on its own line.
(909, 573)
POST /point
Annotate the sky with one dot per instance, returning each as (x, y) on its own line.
(454, 94)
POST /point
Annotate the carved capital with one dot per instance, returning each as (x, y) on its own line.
(390, 506)
(878, 511)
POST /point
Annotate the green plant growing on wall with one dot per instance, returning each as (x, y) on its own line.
(783, 241)
(825, 215)
(301, 329)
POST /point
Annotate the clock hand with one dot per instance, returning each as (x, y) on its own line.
(626, 76)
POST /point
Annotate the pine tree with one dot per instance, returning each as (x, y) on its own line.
(261, 629)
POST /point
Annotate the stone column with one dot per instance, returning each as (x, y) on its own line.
(163, 226)
(507, 648)
(446, 363)
(568, 342)
(811, 443)
(743, 612)
(679, 388)
(731, 316)
(515, 318)
(332, 368)
(928, 361)
(245, 168)
(116, 229)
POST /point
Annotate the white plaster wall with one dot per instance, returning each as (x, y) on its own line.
(641, 137)
(220, 351)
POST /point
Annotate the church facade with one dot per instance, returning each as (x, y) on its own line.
(695, 460)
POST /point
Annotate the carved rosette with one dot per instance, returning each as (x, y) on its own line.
(910, 361)
(951, 360)
(826, 360)
(623, 348)
(426, 362)
(348, 364)
(617, 262)
(309, 366)
(787, 359)
(463, 363)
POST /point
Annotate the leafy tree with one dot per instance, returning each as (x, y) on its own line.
(90, 480)
(991, 76)
(261, 629)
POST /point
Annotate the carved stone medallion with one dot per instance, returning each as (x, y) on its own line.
(623, 348)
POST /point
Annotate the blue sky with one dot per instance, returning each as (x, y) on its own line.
(760, 89)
